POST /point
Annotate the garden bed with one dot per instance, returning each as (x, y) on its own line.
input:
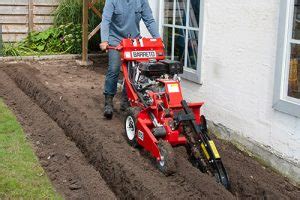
(71, 99)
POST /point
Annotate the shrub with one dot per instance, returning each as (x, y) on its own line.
(55, 40)
(70, 11)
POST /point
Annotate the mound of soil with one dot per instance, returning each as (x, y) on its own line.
(71, 96)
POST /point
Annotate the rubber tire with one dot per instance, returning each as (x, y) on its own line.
(133, 112)
(167, 152)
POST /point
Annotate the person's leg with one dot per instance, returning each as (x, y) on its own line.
(111, 81)
(112, 75)
(124, 100)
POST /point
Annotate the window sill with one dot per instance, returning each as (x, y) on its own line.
(287, 107)
(191, 76)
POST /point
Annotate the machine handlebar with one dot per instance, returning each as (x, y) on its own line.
(118, 48)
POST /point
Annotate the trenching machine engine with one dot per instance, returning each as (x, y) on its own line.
(158, 118)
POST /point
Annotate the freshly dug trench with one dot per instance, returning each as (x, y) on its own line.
(82, 87)
(72, 176)
(123, 168)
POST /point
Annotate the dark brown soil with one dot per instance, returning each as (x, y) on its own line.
(63, 162)
(72, 97)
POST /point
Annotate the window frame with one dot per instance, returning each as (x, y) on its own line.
(189, 74)
(281, 101)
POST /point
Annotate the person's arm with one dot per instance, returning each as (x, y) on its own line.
(148, 19)
(108, 11)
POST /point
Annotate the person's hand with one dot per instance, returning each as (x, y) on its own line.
(103, 46)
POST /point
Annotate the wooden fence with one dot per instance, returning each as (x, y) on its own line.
(18, 17)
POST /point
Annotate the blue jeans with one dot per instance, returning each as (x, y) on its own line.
(112, 74)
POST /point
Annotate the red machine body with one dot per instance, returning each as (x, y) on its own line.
(145, 50)
(159, 118)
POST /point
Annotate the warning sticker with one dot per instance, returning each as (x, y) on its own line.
(141, 135)
(127, 55)
(173, 88)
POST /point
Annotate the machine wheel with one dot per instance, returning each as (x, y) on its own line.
(130, 126)
(167, 164)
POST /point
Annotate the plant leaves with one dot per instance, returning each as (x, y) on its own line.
(41, 47)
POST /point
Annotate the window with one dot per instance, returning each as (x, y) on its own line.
(182, 34)
(287, 75)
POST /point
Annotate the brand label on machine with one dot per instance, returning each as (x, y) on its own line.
(143, 54)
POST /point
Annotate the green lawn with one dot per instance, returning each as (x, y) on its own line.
(21, 176)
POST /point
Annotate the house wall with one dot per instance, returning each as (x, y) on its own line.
(237, 72)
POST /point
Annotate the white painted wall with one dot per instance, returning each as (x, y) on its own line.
(238, 65)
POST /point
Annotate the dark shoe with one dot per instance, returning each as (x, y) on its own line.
(124, 104)
(108, 108)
